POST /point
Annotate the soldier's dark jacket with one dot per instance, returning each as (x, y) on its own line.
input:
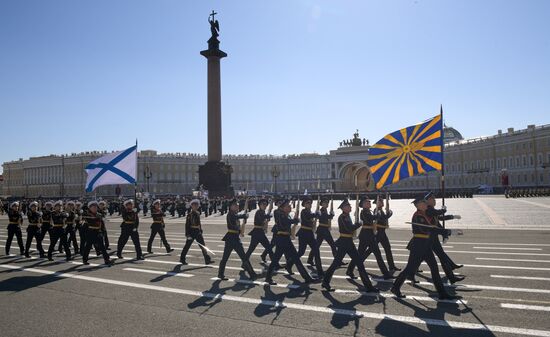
(93, 221)
(192, 223)
(14, 216)
(58, 217)
(33, 217)
(346, 225)
(325, 217)
(382, 217)
(46, 216)
(158, 217)
(129, 218)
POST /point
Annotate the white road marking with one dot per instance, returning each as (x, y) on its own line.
(159, 272)
(290, 305)
(259, 283)
(507, 248)
(512, 260)
(390, 295)
(524, 307)
(521, 277)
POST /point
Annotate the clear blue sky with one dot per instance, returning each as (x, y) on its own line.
(300, 76)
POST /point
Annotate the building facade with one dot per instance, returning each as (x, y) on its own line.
(523, 155)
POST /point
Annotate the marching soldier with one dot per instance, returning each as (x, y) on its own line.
(70, 230)
(33, 230)
(46, 220)
(257, 234)
(381, 226)
(284, 245)
(93, 222)
(14, 227)
(420, 248)
(323, 230)
(57, 232)
(306, 236)
(158, 227)
(78, 224)
(345, 245)
(129, 228)
(102, 210)
(233, 242)
(367, 241)
(193, 231)
(436, 215)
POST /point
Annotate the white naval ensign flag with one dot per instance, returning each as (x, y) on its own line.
(112, 169)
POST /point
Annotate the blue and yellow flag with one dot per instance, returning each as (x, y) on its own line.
(407, 152)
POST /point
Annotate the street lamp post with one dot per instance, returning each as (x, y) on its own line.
(275, 174)
(147, 174)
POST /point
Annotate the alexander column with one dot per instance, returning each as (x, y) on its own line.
(215, 175)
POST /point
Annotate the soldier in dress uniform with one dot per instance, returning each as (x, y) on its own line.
(367, 241)
(257, 234)
(233, 241)
(14, 227)
(93, 223)
(78, 224)
(46, 220)
(193, 231)
(345, 245)
(284, 245)
(438, 215)
(102, 210)
(70, 230)
(158, 227)
(381, 226)
(420, 248)
(33, 230)
(129, 228)
(57, 232)
(306, 236)
(323, 230)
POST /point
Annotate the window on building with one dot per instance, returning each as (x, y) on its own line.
(524, 161)
(531, 161)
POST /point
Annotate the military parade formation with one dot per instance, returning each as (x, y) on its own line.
(292, 218)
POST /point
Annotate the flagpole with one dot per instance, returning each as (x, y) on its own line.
(442, 160)
(137, 175)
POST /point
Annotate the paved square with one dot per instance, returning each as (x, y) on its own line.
(505, 250)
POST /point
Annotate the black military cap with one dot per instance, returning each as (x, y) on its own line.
(362, 200)
(306, 199)
(284, 202)
(418, 199)
(429, 195)
(344, 203)
(323, 200)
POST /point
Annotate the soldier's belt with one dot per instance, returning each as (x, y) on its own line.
(326, 225)
(283, 233)
(232, 231)
(369, 227)
(422, 236)
(157, 221)
(382, 226)
(344, 235)
(258, 226)
(33, 223)
(45, 222)
(196, 227)
(306, 228)
(94, 227)
(14, 223)
(128, 222)
(57, 225)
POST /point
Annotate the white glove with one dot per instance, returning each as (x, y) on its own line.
(444, 207)
(39, 213)
(332, 213)
(134, 209)
(458, 217)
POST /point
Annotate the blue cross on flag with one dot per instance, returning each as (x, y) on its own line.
(112, 169)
